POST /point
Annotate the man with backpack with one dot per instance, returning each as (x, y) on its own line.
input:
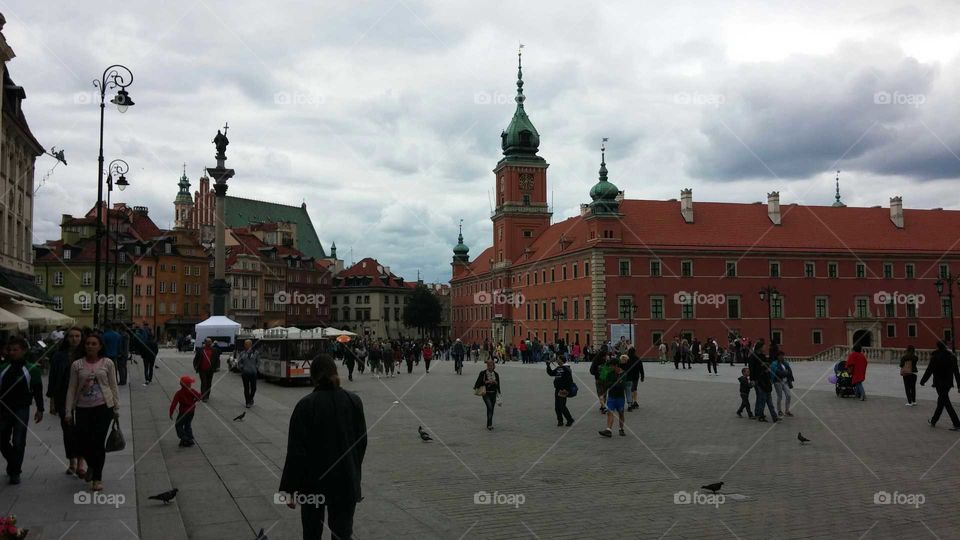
(562, 389)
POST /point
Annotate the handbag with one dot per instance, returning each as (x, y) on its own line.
(480, 391)
(115, 441)
(906, 369)
(573, 390)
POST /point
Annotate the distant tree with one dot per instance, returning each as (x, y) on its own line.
(423, 310)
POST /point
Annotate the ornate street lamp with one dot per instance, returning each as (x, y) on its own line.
(946, 282)
(558, 316)
(119, 77)
(768, 294)
(120, 168)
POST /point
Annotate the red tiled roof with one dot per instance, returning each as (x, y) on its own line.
(370, 267)
(718, 226)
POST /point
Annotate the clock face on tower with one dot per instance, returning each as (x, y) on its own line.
(526, 182)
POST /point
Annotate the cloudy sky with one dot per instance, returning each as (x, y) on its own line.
(384, 116)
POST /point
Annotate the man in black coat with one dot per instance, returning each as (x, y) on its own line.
(325, 449)
(943, 367)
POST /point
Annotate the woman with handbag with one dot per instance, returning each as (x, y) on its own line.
(487, 386)
(562, 384)
(92, 404)
(908, 370)
(57, 384)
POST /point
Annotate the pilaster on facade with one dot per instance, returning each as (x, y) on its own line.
(598, 295)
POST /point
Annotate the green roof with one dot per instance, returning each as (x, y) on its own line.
(241, 212)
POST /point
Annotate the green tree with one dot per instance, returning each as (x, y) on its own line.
(423, 310)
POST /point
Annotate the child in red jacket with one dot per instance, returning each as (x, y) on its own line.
(187, 398)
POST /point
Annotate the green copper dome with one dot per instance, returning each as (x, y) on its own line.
(520, 138)
(604, 193)
(460, 250)
(183, 196)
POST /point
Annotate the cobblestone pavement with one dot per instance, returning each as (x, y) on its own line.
(546, 481)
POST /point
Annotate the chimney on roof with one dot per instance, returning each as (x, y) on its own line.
(619, 197)
(896, 211)
(686, 205)
(143, 210)
(773, 207)
(584, 209)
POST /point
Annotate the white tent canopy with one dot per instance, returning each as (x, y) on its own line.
(333, 332)
(37, 315)
(222, 329)
(12, 321)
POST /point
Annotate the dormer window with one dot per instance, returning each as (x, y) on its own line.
(66, 254)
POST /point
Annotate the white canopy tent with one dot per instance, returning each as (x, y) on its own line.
(222, 329)
(37, 315)
(12, 321)
(333, 332)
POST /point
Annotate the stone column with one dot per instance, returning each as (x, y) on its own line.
(220, 174)
(598, 295)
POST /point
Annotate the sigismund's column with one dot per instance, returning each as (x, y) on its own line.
(220, 288)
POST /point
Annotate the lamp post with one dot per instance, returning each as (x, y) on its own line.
(558, 316)
(629, 312)
(120, 168)
(120, 77)
(768, 294)
(947, 282)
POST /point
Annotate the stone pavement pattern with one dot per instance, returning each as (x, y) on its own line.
(574, 483)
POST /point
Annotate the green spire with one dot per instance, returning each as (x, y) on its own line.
(604, 193)
(183, 196)
(837, 203)
(460, 250)
(520, 138)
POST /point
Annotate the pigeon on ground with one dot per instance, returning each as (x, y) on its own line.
(240, 418)
(713, 487)
(261, 535)
(803, 440)
(166, 496)
(424, 436)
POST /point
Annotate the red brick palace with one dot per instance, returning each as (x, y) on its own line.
(656, 269)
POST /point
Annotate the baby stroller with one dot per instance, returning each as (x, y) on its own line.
(844, 386)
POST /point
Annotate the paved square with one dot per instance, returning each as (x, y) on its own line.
(531, 479)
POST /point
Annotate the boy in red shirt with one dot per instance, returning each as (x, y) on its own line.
(187, 398)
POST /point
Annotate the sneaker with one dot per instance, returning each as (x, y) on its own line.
(775, 420)
(606, 433)
(955, 428)
(490, 428)
(762, 419)
(248, 405)
(929, 421)
(789, 413)
(908, 404)
(622, 433)
(14, 478)
(148, 382)
(183, 443)
(560, 423)
(569, 423)
(740, 414)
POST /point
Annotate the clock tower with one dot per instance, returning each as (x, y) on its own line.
(521, 213)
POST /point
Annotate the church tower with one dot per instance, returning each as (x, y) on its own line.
(183, 204)
(521, 213)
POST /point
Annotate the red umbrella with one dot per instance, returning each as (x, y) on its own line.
(343, 339)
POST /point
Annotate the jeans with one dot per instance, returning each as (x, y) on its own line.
(426, 362)
(943, 402)
(250, 386)
(858, 390)
(206, 382)
(745, 404)
(92, 424)
(560, 407)
(71, 444)
(490, 400)
(13, 436)
(782, 390)
(910, 387)
(712, 364)
(184, 426)
(628, 392)
(148, 363)
(339, 517)
(763, 400)
(122, 370)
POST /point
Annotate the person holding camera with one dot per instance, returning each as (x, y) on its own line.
(562, 383)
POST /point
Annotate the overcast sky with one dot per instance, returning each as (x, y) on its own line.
(385, 116)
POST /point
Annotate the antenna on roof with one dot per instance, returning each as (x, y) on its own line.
(551, 205)
(837, 203)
